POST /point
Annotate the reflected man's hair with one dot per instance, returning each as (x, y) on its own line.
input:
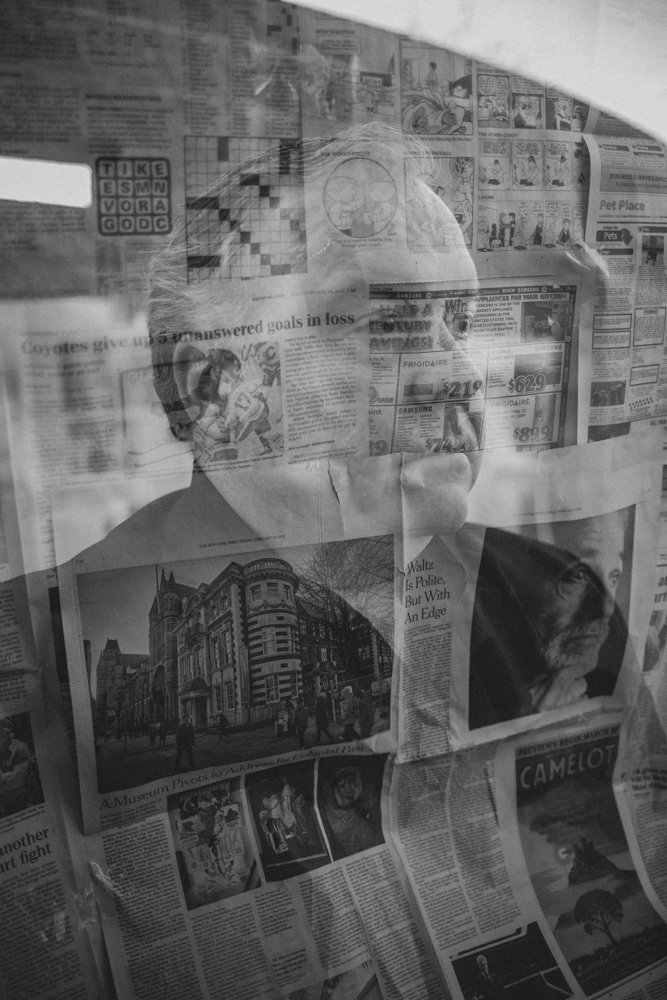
(177, 306)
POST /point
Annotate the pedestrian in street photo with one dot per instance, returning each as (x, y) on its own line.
(348, 714)
(301, 722)
(223, 727)
(185, 741)
(322, 717)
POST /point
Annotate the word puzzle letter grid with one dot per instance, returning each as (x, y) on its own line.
(133, 195)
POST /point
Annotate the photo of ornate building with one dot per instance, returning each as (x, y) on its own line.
(242, 646)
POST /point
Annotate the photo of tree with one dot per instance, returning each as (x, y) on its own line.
(580, 864)
(204, 662)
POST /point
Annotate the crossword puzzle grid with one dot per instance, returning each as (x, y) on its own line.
(271, 202)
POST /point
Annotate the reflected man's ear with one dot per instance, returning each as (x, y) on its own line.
(190, 366)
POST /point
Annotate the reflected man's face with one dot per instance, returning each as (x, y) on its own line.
(348, 788)
(577, 605)
(433, 480)
(452, 331)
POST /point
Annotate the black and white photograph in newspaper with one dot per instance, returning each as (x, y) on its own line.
(349, 791)
(211, 841)
(653, 250)
(242, 418)
(282, 806)
(217, 661)
(579, 861)
(20, 784)
(547, 321)
(518, 967)
(345, 80)
(549, 623)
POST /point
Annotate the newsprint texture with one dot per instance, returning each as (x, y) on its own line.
(333, 559)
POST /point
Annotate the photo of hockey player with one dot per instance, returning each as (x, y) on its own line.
(348, 798)
(287, 833)
(579, 861)
(236, 399)
(518, 967)
(210, 837)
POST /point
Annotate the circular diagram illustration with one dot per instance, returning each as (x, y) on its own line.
(360, 197)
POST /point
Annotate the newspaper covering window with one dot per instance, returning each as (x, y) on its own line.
(332, 498)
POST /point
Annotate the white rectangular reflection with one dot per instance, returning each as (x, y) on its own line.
(45, 181)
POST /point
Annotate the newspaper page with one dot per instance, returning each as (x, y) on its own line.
(533, 167)
(494, 638)
(472, 902)
(641, 797)
(583, 861)
(656, 633)
(84, 86)
(52, 935)
(626, 226)
(530, 850)
(47, 919)
(289, 730)
(516, 383)
(276, 789)
(80, 409)
(277, 804)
